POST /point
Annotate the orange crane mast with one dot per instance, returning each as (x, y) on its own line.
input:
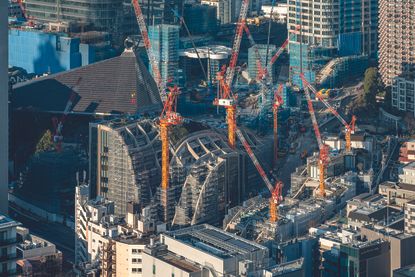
(324, 152)
(152, 58)
(349, 128)
(278, 101)
(276, 192)
(168, 117)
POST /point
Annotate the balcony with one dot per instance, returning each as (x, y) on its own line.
(8, 257)
(11, 272)
(9, 241)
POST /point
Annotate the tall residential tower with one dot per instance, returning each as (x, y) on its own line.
(330, 29)
(396, 40)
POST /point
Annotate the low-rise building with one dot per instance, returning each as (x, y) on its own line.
(203, 249)
(289, 269)
(407, 174)
(37, 257)
(397, 193)
(410, 217)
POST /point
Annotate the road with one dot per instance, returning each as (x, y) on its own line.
(58, 234)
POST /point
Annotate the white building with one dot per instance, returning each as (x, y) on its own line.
(403, 94)
(204, 250)
(279, 13)
(4, 103)
(410, 218)
(8, 253)
(407, 175)
(90, 224)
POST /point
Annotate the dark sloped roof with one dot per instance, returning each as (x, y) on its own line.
(109, 86)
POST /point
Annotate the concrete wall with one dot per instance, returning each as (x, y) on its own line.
(156, 267)
(127, 260)
(4, 121)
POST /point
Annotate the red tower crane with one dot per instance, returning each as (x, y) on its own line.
(152, 58)
(58, 123)
(324, 152)
(227, 99)
(276, 191)
(237, 42)
(349, 128)
(278, 101)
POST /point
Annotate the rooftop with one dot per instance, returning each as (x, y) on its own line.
(285, 268)
(178, 261)
(216, 241)
(117, 85)
(408, 271)
(6, 222)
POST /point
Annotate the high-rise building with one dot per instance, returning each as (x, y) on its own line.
(123, 162)
(160, 11)
(8, 255)
(396, 40)
(165, 43)
(252, 60)
(113, 16)
(200, 19)
(225, 10)
(4, 114)
(329, 29)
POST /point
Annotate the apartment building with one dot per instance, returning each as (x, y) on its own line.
(8, 254)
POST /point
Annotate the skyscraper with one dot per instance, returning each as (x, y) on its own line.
(4, 121)
(329, 29)
(165, 43)
(396, 39)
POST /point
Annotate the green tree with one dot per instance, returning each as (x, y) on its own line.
(370, 87)
(45, 143)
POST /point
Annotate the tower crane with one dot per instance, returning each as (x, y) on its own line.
(237, 42)
(276, 191)
(324, 152)
(349, 128)
(227, 99)
(58, 123)
(278, 101)
(168, 117)
(161, 85)
(225, 76)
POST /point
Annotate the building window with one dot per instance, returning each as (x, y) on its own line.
(154, 269)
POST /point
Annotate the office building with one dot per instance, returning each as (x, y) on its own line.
(115, 16)
(225, 10)
(410, 217)
(8, 254)
(4, 107)
(200, 19)
(165, 43)
(261, 49)
(396, 41)
(403, 91)
(401, 245)
(203, 249)
(160, 11)
(343, 33)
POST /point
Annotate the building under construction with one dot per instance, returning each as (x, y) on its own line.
(205, 175)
